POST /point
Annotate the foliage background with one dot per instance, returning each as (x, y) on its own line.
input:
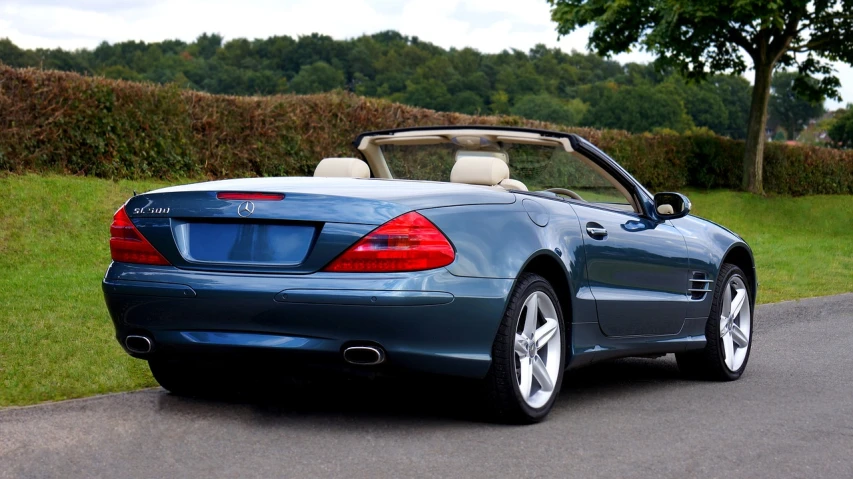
(573, 89)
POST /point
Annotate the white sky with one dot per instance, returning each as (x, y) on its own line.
(487, 25)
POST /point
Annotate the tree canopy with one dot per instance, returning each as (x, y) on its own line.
(546, 107)
(703, 37)
(788, 108)
(577, 89)
(841, 131)
(547, 84)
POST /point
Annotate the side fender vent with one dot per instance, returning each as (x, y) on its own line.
(698, 286)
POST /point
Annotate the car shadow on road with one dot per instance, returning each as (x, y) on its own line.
(424, 399)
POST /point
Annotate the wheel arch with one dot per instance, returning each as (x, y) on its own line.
(740, 255)
(548, 265)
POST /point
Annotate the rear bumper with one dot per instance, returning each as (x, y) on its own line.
(430, 321)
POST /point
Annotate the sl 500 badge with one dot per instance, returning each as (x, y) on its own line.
(150, 211)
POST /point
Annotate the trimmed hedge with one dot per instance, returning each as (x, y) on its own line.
(63, 122)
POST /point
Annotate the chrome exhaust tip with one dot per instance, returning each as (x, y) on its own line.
(364, 355)
(138, 344)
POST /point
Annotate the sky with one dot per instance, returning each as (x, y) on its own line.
(486, 25)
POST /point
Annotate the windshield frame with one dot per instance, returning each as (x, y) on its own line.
(366, 144)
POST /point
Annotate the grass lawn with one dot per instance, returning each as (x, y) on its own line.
(803, 246)
(56, 339)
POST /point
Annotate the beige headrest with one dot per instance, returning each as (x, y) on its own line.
(342, 168)
(510, 184)
(482, 170)
(501, 155)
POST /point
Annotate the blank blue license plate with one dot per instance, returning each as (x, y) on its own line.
(258, 243)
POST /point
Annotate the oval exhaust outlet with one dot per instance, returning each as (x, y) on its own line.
(364, 355)
(138, 344)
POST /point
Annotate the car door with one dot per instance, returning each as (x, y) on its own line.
(636, 267)
(637, 271)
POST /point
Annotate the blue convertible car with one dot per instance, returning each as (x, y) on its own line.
(505, 255)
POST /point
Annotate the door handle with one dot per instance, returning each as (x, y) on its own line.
(596, 231)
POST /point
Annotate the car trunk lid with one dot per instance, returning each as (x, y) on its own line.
(283, 225)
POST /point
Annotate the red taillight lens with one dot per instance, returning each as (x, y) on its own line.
(235, 195)
(127, 244)
(407, 243)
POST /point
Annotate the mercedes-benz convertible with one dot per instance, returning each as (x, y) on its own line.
(503, 255)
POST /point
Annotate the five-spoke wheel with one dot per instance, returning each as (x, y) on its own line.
(735, 323)
(728, 331)
(537, 349)
(528, 354)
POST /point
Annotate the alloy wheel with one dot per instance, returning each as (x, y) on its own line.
(537, 349)
(735, 323)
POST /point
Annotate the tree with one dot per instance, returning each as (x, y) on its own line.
(519, 80)
(787, 108)
(11, 55)
(121, 72)
(207, 45)
(736, 93)
(706, 36)
(316, 78)
(639, 109)
(428, 93)
(499, 102)
(841, 131)
(706, 107)
(545, 107)
(467, 102)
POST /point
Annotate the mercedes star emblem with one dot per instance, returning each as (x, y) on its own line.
(245, 209)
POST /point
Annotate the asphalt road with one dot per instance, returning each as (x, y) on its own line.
(791, 415)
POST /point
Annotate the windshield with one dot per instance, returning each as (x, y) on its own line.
(538, 167)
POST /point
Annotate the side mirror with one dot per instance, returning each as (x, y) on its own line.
(669, 206)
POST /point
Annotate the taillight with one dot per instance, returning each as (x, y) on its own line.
(407, 243)
(127, 244)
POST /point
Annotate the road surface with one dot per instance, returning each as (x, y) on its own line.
(791, 415)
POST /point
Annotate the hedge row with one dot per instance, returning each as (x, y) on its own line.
(63, 122)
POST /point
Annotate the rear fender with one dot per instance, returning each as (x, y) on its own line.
(502, 241)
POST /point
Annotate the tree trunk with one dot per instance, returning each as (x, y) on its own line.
(753, 157)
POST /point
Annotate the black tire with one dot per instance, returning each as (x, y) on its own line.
(709, 363)
(503, 396)
(184, 378)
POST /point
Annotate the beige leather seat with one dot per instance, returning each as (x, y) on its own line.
(342, 168)
(483, 170)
